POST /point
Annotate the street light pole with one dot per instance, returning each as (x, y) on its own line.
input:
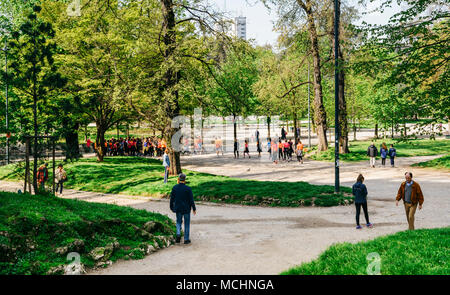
(309, 119)
(336, 96)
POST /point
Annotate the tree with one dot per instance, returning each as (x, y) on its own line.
(412, 52)
(33, 71)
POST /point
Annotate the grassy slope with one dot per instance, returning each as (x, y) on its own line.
(358, 149)
(144, 177)
(46, 223)
(419, 252)
(439, 163)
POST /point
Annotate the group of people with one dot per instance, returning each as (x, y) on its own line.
(182, 202)
(284, 151)
(372, 152)
(60, 177)
(409, 191)
(131, 146)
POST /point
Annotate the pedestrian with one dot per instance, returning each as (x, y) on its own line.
(392, 154)
(359, 190)
(61, 177)
(236, 149)
(383, 153)
(246, 151)
(217, 143)
(269, 147)
(280, 149)
(257, 135)
(283, 133)
(286, 148)
(372, 152)
(411, 194)
(181, 202)
(299, 151)
(42, 176)
(88, 144)
(274, 153)
(258, 148)
(166, 164)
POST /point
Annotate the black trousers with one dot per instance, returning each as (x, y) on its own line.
(59, 185)
(358, 210)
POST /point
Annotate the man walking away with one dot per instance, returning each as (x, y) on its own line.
(372, 152)
(181, 202)
(392, 154)
(236, 149)
(166, 164)
(411, 194)
(359, 190)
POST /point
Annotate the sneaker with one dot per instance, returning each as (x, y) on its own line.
(187, 242)
(358, 227)
(178, 239)
(369, 225)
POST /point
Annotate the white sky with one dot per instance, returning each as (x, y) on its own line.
(260, 20)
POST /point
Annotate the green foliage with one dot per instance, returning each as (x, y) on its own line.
(32, 227)
(418, 252)
(439, 163)
(411, 52)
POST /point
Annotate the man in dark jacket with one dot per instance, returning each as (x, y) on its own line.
(372, 152)
(181, 202)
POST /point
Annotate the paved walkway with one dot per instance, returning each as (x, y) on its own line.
(231, 239)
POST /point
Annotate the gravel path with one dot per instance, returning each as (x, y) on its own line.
(231, 239)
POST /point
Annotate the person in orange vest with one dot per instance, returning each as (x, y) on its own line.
(280, 149)
(286, 150)
(300, 151)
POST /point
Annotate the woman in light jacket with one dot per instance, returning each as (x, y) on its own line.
(166, 164)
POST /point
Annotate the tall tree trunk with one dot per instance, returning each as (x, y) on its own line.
(72, 144)
(343, 124)
(170, 78)
(234, 128)
(376, 130)
(320, 116)
(268, 126)
(192, 132)
(100, 142)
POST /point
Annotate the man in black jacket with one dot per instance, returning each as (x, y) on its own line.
(181, 202)
(372, 152)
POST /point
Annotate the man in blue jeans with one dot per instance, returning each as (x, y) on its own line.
(181, 202)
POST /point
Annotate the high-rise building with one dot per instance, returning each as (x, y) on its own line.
(240, 27)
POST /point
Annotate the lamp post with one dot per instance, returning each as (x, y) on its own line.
(336, 96)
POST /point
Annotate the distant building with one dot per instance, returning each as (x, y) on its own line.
(240, 27)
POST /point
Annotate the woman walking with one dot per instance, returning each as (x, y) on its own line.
(246, 151)
(300, 152)
(383, 153)
(359, 190)
(61, 177)
(166, 164)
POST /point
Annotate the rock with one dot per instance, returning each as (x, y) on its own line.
(62, 250)
(102, 253)
(56, 270)
(104, 263)
(149, 226)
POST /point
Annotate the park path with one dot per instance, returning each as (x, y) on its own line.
(232, 239)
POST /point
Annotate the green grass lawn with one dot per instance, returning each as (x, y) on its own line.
(419, 252)
(439, 163)
(37, 232)
(358, 149)
(144, 177)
